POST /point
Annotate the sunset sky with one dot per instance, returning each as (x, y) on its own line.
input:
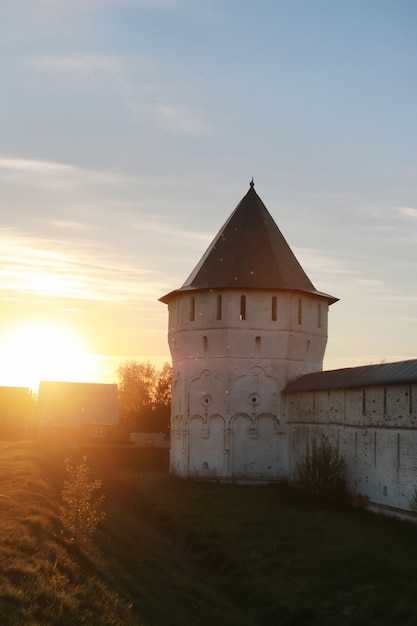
(130, 131)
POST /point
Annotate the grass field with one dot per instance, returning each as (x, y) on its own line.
(182, 553)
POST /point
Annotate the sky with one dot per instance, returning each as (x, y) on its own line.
(130, 130)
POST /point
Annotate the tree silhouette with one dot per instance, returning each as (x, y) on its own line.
(144, 397)
(79, 512)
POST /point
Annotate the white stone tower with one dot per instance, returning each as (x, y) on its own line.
(246, 321)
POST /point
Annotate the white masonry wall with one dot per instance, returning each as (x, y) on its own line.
(233, 352)
(374, 430)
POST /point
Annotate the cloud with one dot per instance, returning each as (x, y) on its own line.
(180, 119)
(387, 214)
(89, 63)
(50, 174)
(408, 212)
(138, 83)
(60, 269)
(87, 5)
(68, 225)
(124, 68)
(399, 298)
(326, 266)
(33, 166)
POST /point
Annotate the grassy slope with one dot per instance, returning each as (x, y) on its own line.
(180, 553)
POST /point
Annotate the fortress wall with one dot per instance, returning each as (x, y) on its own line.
(374, 430)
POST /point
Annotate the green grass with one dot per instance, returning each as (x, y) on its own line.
(182, 553)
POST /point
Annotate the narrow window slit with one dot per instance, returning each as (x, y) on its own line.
(274, 313)
(242, 307)
(219, 308)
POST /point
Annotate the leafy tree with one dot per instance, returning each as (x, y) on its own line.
(163, 386)
(162, 408)
(144, 397)
(79, 512)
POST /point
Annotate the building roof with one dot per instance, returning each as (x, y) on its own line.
(403, 372)
(249, 252)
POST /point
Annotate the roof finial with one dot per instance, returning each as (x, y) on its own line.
(252, 184)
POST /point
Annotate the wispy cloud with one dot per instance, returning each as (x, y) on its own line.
(408, 212)
(386, 215)
(180, 119)
(120, 67)
(59, 269)
(87, 5)
(81, 63)
(54, 175)
(392, 297)
(63, 198)
(141, 86)
(33, 166)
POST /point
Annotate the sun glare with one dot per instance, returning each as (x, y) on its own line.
(43, 351)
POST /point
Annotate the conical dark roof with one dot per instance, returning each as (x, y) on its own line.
(249, 252)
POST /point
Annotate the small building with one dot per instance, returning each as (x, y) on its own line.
(80, 411)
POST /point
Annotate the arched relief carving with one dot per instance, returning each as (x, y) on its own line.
(196, 416)
(255, 446)
(205, 421)
(206, 446)
(206, 394)
(212, 422)
(241, 415)
(274, 418)
(255, 393)
(254, 422)
(216, 416)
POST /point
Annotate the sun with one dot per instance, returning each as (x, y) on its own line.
(43, 351)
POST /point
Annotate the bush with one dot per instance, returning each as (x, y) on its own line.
(321, 473)
(79, 512)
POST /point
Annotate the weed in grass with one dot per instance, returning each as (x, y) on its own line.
(413, 502)
(320, 474)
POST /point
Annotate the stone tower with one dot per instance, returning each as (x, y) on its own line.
(246, 321)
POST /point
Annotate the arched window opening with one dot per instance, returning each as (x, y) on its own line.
(192, 309)
(300, 311)
(205, 345)
(257, 346)
(242, 307)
